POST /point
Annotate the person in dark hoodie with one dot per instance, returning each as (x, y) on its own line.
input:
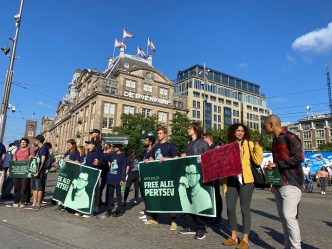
(115, 179)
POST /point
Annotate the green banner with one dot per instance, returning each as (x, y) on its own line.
(175, 186)
(273, 177)
(76, 185)
(18, 169)
(22, 169)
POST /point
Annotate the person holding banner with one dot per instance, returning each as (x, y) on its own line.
(21, 185)
(287, 158)
(72, 152)
(162, 151)
(38, 178)
(115, 179)
(93, 160)
(241, 186)
(81, 150)
(197, 145)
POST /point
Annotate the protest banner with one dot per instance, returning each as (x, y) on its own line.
(221, 162)
(273, 177)
(18, 169)
(75, 187)
(116, 139)
(175, 186)
(33, 165)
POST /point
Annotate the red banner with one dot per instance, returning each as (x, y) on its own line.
(221, 162)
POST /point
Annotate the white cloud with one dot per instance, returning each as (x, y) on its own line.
(42, 104)
(317, 41)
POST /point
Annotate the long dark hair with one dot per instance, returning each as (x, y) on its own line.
(197, 129)
(232, 129)
(73, 143)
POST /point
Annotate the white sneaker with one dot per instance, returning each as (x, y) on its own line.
(77, 214)
(142, 212)
(85, 216)
(142, 217)
(322, 192)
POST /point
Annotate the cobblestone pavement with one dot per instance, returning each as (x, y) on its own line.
(65, 230)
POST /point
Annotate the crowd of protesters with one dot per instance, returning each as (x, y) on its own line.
(118, 172)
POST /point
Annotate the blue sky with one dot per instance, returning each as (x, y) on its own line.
(281, 45)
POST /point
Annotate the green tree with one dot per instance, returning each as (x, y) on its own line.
(264, 139)
(325, 147)
(179, 132)
(132, 126)
(219, 135)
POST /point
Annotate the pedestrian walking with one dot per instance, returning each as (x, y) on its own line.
(322, 177)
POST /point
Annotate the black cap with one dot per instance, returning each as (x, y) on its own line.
(91, 142)
(152, 138)
(94, 131)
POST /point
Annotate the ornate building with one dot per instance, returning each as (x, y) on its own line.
(95, 99)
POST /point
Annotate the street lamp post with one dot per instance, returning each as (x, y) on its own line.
(9, 75)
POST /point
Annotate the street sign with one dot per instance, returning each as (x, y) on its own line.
(116, 139)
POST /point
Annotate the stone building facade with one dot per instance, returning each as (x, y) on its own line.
(95, 99)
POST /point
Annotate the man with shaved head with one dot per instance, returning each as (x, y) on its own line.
(287, 158)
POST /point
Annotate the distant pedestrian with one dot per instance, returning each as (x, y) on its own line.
(322, 177)
(287, 158)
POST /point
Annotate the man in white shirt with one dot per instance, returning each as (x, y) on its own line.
(306, 173)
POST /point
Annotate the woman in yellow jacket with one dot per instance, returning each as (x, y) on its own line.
(241, 185)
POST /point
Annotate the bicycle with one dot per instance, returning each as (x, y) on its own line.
(308, 184)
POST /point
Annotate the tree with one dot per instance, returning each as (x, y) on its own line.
(325, 147)
(264, 139)
(132, 126)
(180, 132)
(219, 135)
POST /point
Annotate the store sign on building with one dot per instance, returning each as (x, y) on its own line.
(146, 97)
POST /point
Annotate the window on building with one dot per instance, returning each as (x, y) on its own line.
(219, 118)
(220, 100)
(215, 118)
(162, 117)
(212, 98)
(319, 124)
(147, 88)
(108, 122)
(307, 145)
(194, 114)
(228, 102)
(219, 109)
(320, 133)
(198, 114)
(110, 90)
(320, 142)
(194, 104)
(307, 134)
(236, 104)
(306, 126)
(215, 108)
(109, 108)
(146, 112)
(163, 91)
(127, 109)
(198, 104)
(130, 84)
(196, 94)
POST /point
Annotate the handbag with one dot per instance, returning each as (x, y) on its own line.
(257, 172)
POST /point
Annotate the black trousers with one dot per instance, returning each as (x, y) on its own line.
(21, 188)
(218, 199)
(111, 189)
(195, 222)
(133, 177)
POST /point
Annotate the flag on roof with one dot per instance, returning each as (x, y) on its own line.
(117, 43)
(126, 34)
(151, 45)
(140, 52)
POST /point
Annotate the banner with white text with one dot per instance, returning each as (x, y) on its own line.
(76, 185)
(175, 186)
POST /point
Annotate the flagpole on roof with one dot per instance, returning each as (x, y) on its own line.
(113, 50)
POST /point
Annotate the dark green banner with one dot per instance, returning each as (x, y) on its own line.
(273, 177)
(22, 169)
(76, 185)
(175, 186)
(18, 169)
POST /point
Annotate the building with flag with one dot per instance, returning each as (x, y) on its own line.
(218, 100)
(130, 84)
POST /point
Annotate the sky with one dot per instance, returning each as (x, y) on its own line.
(281, 45)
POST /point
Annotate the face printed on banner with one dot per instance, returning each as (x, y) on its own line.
(82, 181)
(239, 133)
(192, 175)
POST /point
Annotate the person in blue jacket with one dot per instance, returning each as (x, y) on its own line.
(115, 179)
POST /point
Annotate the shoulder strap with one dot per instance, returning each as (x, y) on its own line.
(28, 151)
